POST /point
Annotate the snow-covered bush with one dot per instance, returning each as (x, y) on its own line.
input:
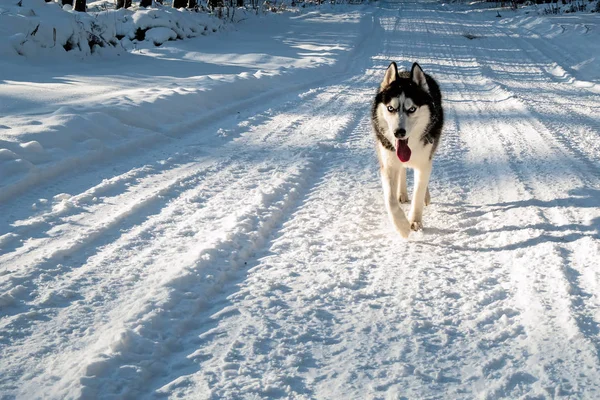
(33, 28)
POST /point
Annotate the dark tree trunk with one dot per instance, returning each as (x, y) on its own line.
(179, 3)
(192, 3)
(145, 3)
(80, 5)
(64, 2)
(123, 4)
(240, 3)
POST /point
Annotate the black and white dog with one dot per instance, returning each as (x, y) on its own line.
(407, 118)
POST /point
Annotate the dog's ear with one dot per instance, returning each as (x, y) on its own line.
(390, 76)
(418, 76)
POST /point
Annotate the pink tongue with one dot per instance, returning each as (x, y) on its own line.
(402, 150)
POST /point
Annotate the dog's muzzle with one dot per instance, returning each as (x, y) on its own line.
(400, 133)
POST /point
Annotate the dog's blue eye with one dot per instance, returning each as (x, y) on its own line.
(411, 110)
(391, 109)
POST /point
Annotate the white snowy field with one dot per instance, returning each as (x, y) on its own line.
(204, 219)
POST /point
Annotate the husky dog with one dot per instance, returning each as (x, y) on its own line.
(407, 118)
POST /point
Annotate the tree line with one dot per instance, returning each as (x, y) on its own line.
(81, 5)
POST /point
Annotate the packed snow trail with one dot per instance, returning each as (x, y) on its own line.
(264, 266)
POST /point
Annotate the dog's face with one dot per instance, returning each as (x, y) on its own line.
(403, 103)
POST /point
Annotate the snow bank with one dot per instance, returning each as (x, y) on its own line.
(35, 29)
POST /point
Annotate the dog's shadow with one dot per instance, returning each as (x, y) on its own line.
(581, 198)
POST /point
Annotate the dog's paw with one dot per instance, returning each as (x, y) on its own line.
(404, 233)
(403, 228)
(404, 198)
(416, 226)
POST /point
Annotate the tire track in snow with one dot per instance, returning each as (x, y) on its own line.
(528, 178)
(60, 312)
(46, 253)
(151, 297)
(238, 238)
(536, 169)
(222, 309)
(178, 152)
(259, 332)
(222, 247)
(58, 290)
(125, 208)
(563, 222)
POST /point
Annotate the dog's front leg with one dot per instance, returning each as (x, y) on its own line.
(402, 188)
(389, 180)
(419, 197)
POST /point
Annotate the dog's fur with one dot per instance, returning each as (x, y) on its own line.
(407, 106)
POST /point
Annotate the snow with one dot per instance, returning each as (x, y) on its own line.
(204, 218)
(160, 35)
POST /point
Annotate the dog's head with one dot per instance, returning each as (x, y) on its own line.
(402, 103)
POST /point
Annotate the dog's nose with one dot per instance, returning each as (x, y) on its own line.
(400, 133)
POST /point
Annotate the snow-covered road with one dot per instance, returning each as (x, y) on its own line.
(252, 257)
